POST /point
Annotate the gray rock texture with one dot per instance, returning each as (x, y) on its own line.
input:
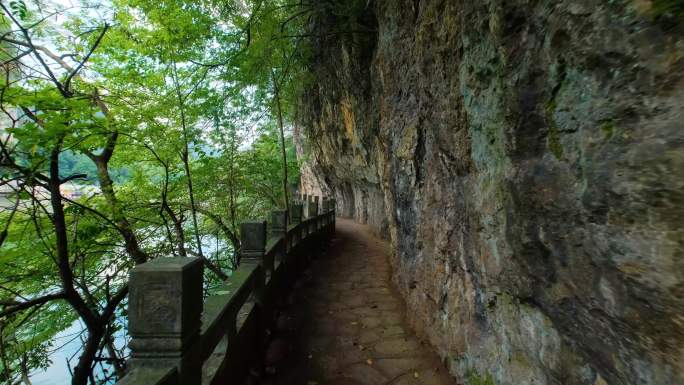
(526, 160)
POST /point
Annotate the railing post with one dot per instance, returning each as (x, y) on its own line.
(324, 205)
(333, 215)
(296, 213)
(279, 229)
(278, 223)
(326, 211)
(317, 212)
(305, 208)
(253, 251)
(253, 243)
(296, 216)
(313, 210)
(164, 317)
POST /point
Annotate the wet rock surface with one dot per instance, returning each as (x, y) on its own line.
(526, 160)
(346, 323)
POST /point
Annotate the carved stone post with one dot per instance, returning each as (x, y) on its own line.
(296, 213)
(324, 212)
(296, 218)
(278, 223)
(165, 309)
(253, 251)
(279, 227)
(316, 212)
(333, 215)
(253, 241)
(312, 209)
(305, 207)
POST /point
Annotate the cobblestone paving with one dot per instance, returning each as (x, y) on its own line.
(345, 323)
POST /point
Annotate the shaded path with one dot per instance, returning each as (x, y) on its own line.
(345, 323)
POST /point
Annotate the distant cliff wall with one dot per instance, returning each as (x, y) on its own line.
(526, 159)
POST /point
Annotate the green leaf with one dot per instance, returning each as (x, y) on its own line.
(18, 8)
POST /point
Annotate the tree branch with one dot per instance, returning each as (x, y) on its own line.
(30, 45)
(19, 306)
(73, 177)
(87, 56)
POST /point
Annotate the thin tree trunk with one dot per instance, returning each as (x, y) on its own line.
(24, 370)
(193, 207)
(177, 227)
(232, 237)
(107, 185)
(279, 108)
(89, 317)
(6, 369)
(231, 182)
(185, 156)
(111, 351)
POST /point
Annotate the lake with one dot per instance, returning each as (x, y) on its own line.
(58, 372)
(69, 344)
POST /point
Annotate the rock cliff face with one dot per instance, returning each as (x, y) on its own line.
(526, 159)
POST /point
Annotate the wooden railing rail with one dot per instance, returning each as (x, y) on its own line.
(177, 338)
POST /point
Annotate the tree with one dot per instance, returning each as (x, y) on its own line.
(171, 120)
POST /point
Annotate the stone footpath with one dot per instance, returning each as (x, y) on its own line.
(345, 323)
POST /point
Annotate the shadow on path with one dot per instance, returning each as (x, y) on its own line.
(344, 324)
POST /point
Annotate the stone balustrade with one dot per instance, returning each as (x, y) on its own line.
(177, 338)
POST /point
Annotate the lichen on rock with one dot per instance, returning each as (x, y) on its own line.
(526, 159)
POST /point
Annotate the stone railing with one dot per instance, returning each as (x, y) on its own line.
(180, 338)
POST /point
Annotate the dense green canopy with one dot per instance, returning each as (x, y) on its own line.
(133, 129)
